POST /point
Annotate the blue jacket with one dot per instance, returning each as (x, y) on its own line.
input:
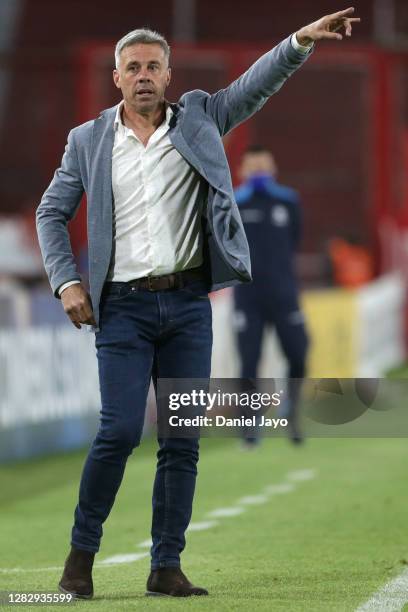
(272, 220)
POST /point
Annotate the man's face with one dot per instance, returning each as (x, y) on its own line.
(143, 76)
(257, 163)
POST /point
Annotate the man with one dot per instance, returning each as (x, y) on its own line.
(163, 228)
(271, 216)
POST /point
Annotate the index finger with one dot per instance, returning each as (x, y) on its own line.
(344, 13)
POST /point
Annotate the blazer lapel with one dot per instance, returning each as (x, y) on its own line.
(179, 142)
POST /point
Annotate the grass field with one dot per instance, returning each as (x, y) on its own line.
(326, 545)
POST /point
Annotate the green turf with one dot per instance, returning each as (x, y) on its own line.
(327, 546)
(400, 371)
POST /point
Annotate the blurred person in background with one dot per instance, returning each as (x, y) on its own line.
(154, 173)
(271, 216)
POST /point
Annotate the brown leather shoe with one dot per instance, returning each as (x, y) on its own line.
(171, 581)
(77, 576)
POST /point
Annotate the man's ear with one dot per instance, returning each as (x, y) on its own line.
(116, 78)
(168, 77)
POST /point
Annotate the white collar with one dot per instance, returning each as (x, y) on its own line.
(118, 117)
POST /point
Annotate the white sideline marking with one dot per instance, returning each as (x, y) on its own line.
(253, 500)
(145, 543)
(279, 489)
(221, 512)
(301, 475)
(202, 526)
(390, 598)
(128, 558)
(399, 584)
(114, 560)
(18, 570)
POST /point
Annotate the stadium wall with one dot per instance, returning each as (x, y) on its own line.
(49, 399)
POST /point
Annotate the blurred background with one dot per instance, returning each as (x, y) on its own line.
(338, 130)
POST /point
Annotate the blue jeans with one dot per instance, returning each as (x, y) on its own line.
(144, 335)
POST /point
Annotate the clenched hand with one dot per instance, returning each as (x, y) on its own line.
(77, 305)
(328, 27)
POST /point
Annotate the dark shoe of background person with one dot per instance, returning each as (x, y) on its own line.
(77, 576)
(250, 444)
(171, 581)
(295, 435)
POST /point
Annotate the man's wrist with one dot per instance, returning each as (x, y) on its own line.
(66, 285)
(302, 42)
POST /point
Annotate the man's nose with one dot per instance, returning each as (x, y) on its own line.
(143, 75)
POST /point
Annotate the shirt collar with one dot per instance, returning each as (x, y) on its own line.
(118, 117)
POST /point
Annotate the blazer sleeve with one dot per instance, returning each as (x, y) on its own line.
(248, 94)
(57, 207)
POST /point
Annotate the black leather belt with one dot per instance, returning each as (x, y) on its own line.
(176, 280)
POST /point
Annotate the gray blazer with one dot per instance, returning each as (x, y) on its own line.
(200, 120)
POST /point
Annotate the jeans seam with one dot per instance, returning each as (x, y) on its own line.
(165, 521)
(161, 563)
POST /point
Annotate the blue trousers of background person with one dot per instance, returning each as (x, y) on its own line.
(254, 311)
(253, 316)
(144, 335)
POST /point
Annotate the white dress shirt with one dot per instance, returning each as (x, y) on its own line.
(158, 200)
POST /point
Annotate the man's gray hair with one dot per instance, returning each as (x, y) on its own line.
(142, 36)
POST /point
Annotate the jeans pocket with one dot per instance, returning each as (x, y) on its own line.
(114, 293)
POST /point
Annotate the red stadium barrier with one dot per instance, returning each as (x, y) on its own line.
(334, 128)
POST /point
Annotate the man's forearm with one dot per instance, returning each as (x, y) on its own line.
(250, 91)
(58, 206)
(56, 250)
